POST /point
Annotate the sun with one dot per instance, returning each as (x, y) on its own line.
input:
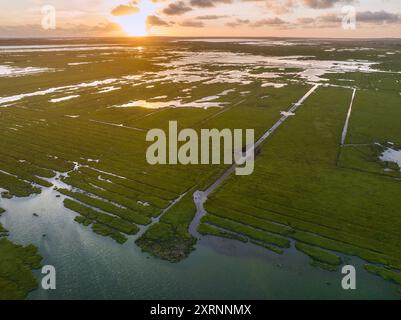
(135, 24)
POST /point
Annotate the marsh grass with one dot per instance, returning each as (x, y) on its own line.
(305, 187)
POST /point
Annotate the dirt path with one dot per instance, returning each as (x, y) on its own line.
(200, 197)
(346, 124)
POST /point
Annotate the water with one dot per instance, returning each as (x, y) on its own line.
(392, 155)
(7, 71)
(90, 266)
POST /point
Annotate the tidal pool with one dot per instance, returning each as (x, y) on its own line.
(90, 266)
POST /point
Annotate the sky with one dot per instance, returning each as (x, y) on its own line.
(201, 18)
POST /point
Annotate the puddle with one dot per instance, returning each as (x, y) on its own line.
(170, 104)
(70, 88)
(7, 71)
(63, 99)
(392, 155)
(108, 89)
(287, 113)
(272, 84)
(78, 63)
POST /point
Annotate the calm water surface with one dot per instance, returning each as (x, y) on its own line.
(90, 266)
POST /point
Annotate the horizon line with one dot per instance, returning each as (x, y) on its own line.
(196, 37)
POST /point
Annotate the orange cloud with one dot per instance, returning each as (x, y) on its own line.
(124, 10)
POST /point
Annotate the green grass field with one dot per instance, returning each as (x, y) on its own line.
(74, 126)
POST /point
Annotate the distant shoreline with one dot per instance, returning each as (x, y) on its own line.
(212, 37)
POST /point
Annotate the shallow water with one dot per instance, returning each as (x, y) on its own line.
(183, 66)
(91, 266)
(392, 155)
(7, 71)
(63, 99)
(172, 104)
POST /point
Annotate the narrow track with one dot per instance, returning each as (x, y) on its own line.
(200, 197)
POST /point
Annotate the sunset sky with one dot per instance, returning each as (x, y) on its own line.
(233, 18)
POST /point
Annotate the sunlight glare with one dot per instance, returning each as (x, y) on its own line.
(135, 24)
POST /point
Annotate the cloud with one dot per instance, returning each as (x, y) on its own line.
(192, 24)
(207, 3)
(286, 6)
(68, 30)
(125, 10)
(269, 22)
(305, 21)
(366, 17)
(281, 7)
(155, 21)
(329, 18)
(263, 16)
(237, 23)
(378, 17)
(176, 8)
(212, 17)
(324, 4)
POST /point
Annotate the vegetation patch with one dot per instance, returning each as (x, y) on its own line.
(206, 229)
(106, 231)
(123, 213)
(321, 258)
(16, 264)
(385, 273)
(169, 238)
(252, 233)
(16, 187)
(115, 224)
(82, 220)
(268, 247)
(3, 231)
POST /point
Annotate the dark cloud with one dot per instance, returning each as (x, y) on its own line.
(305, 21)
(366, 17)
(207, 3)
(155, 21)
(177, 8)
(324, 4)
(212, 17)
(378, 17)
(269, 22)
(238, 22)
(369, 17)
(329, 18)
(192, 24)
(285, 6)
